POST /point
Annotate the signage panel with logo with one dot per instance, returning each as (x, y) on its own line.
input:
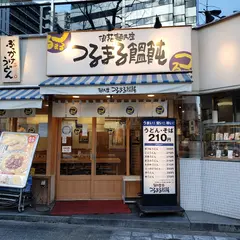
(118, 52)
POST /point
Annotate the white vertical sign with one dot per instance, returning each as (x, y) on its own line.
(159, 176)
(10, 59)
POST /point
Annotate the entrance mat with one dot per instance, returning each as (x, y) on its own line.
(66, 208)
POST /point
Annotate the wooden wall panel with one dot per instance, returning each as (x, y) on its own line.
(132, 189)
(74, 188)
(107, 187)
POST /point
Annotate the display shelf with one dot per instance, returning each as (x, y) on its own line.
(222, 124)
(221, 159)
(226, 141)
(221, 141)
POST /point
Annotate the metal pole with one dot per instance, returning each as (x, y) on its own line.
(123, 14)
(52, 15)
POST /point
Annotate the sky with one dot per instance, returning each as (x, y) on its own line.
(227, 6)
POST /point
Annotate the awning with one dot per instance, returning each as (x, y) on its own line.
(118, 84)
(20, 98)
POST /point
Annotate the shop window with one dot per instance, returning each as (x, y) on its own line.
(76, 145)
(37, 124)
(5, 125)
(111, 146)
(179, 2)
(190, 3)
(191, 20)
(135, 146)
(188, 127)
(237, 107)
(179, 18)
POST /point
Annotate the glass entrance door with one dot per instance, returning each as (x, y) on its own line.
(77, 159)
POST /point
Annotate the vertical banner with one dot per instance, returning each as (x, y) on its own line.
(95, 109)
(159, 161)
(144, 109)
(115, 109)
(58, 109)
(72, 110)
(10, 59)
(160, 109)
(130, 109)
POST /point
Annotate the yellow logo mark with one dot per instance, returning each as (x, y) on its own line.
(177, 66)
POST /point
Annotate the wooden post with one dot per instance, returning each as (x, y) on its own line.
(14, 125)
(94, 154)
(128, 126)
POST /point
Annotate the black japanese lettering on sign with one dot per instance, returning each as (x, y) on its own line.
(156, 135)
(117, 37)
(9, 61)
(118, 90)
(134, 53)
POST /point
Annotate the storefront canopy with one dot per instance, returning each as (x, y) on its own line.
(117, 84)
(20, 98)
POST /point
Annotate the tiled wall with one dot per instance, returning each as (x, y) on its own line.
(210, 186)
(191, 184)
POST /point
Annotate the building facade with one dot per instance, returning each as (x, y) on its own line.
(129, 13)
(28, 19)
(95, 135)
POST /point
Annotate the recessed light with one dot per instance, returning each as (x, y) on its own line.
(46, 105)
(76, 97)
(150, 95)
(108, 96)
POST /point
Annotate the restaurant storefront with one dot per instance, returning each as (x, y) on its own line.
(100, 90)
(95, 87)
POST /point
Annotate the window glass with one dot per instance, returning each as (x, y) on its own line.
(5, 125)
(111, 146)
(178, 2)
(188, 127)
(135, 146)
(190, 3)
(37, 124)
(179, 18)
(76, 144)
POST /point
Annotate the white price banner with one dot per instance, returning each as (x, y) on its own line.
(159, 175)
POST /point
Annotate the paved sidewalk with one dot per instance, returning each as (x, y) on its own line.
(12, 230)
(191, 220)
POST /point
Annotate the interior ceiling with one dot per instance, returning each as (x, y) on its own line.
(117, 97)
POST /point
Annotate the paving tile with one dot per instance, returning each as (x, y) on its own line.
(225, 238)
(203, 238)
(117, 237)
(122, 233)
(183, 237)
(141, 238)
(141, 234)
(162, 236)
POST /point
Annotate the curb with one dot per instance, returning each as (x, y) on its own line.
(124, 223)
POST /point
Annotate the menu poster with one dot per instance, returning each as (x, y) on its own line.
(159, 156)
(16, 154)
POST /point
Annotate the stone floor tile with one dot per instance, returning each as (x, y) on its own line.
(117, 237)
(122, 233)
(204, 238)
(141, 234)
(162, 236)
(225, 238)
(141, 238)
(183, 237)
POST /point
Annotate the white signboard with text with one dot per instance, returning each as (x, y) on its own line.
(119, 51)
(159, 175)
(10, 59)
(111, 109)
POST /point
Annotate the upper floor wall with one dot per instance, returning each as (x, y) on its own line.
(33, 53)
(218, 55)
